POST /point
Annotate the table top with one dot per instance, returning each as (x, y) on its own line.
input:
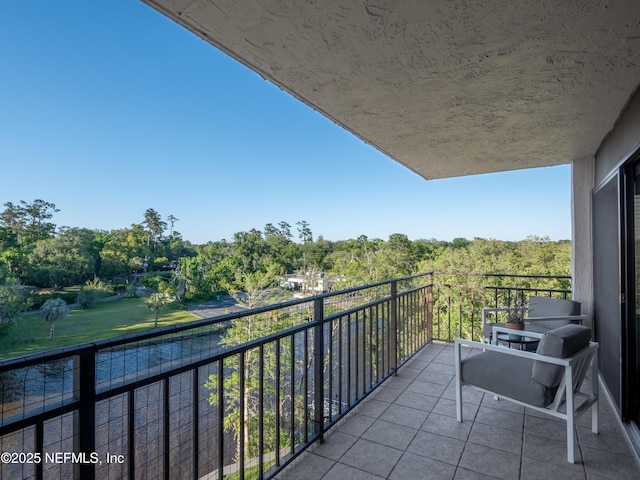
(508, 337)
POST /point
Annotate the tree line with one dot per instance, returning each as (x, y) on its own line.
(34, 251)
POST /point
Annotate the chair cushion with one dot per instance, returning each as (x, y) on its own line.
(505, 375)
(561, 342)
(550, 307)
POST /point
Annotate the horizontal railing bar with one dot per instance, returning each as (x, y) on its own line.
(22, 421)
(351, 311)
(364, 306)
(506, 275)
(498, 287)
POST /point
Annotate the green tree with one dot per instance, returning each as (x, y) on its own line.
(247, 251)
(29, 222)
(270, 230)
(396, 257)
(155, 225)
(460, 242)
(285, 230)
(38, 213)
(13, 217)
(7, 238)
(124, 250)
(14, 300)
(115, 254)
(317, 254)
(279, 246)
(245, 419)
(304, 232)
(359, 262)
(428, 249)
(253, 289)
(13, 260)
(175, 247)
(61, 261)
(191, 279)
(201, 276)
(53, 310)
(92, 291)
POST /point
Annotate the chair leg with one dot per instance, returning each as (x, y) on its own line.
(458, 366)
(458, 399)
(595, 391)
(569, 399)
(570, 439)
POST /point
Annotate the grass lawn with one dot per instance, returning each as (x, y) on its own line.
(104, 320)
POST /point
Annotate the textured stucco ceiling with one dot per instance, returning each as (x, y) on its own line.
(445, 87)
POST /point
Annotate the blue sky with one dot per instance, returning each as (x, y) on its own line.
(109, 108)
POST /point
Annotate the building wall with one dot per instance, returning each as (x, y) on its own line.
(607, 231)
(621, 143)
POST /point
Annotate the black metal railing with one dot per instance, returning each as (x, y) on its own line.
(458, 299)
(237, 396)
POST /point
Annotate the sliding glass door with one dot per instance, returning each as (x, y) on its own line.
(631, 323)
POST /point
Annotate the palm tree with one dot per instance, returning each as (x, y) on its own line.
(155, 302)
(53, 310)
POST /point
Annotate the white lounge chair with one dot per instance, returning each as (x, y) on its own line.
(542, 381)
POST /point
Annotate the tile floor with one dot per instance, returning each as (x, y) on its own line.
(407, 430)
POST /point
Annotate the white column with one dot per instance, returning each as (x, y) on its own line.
(582, 183)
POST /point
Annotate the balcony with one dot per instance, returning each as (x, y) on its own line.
(353, 384)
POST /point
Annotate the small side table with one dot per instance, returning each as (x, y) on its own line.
(523, 343)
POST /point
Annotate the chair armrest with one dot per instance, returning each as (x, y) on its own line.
(498, 309)
(520, 333)
(578, 318)
(565, 362)
(458, 342)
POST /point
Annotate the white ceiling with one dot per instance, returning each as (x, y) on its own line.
(445, 87)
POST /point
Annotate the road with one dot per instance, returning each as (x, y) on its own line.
(215, 308)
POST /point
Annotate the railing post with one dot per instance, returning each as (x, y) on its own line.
(430, 306)
(393, 348)
(84, 419)
(318, 376)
